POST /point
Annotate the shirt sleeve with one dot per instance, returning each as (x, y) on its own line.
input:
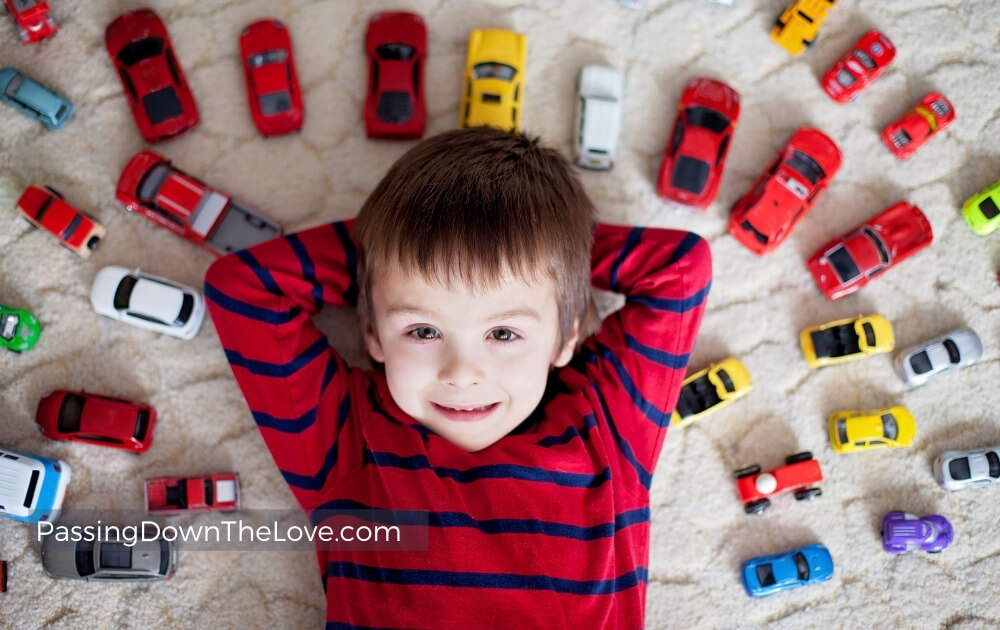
(262, 300)
(637, 360)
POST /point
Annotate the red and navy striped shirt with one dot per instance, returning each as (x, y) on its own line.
(549, 526)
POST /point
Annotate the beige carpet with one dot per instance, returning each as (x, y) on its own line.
(756, 309)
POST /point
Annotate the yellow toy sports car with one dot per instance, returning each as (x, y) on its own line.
(797, 27)
(852, 431)
(712, 388)
(493, 87)
(847, 339)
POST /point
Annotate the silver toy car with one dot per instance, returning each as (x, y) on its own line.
(600, 90)
(111, 560)
(959, 348)
(957, 470)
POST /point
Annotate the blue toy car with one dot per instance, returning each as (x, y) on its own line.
(765, 575)
(34, 99)
(32, 487)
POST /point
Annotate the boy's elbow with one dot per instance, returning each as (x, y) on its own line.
(699, 260)
(220, 270)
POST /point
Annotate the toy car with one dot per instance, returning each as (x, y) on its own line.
(45, 208)
(917, 126)
(764, 217)
(859, 66)
(903, 532)
(599, 94)
(699, 142)
(396, 43)
(493, 85)
(153, 187)
(797, 27)
(155, 87)
(19, 329)
(766, 575)
(34, 486)
(147, 302)
(33, 99)
(851, 431)
(109, 558)
(96, 419)
(959, 348)
(800, 473)
(846, 339)
(272, 82)
(33, 20)
(174, 495)
(847, 263)
(710, 389)
(981, 210)
(957, 470)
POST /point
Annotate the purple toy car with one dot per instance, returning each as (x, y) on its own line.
(903, 532)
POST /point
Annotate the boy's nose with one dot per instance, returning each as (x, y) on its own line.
(461, 370)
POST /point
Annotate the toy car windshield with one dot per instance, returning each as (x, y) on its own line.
(69, 413)
(920, 362)
(491, 70)
(21, 5)
(953, 354)
(843, 265)
(142, 49)
(940, 108)
(152, 181)
(765, 574)
(275, 102)
(865, 59)
(124, 292)
(162, 105)
(801, 566)
(845, 78)
(989, 208)
(806, 166)
(8, 325)
(707, 118)
(115, 555)
(690, 174)
(271, 56)
(959, 469)
(395, 52)
(889, 427)
(13, 85)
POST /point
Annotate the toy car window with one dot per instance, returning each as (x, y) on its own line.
(959, 469)
(842, 263)
(690, 174)
(920, 363)
(152, 181)
(953, 354)
(889, 427)
(147, 318)
(994, 462)
(901, 138)
(209, 492)
(11, 89)
(989, 208)
(417, 82)
(115, 555)
(722, 150)
(765, 574)
(395, 52)
(275, 103)
(675, 142)
(172, 67)
(491, 98)
(71, 228)
(806, 166)
(842, 430)
(187, 305)
(726, 381)
(29, 496)
(801, 566)
(491, 70)
(69, 413)
(84, 558)
(757, 234)
(61, 112)
(128, 84)
(21, 5)
(142, 49)
(124, 292)
(883, 253)
(864, 58)
(940, 108)
(8, 326)
(707, 118)
(271, 56)
(162, 105)
(845, 78)
(164, 557)
(395, 107)
(99, 438)
(869, 333)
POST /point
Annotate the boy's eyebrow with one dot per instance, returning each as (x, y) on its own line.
(524, 311)
(407, 309)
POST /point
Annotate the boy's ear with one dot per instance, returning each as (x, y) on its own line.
(566, 352)
(372, 343)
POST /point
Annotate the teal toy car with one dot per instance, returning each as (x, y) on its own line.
(981, 210)
(19, 329)
(33, 99)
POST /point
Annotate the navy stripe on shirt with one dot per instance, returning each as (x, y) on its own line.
(250, 311)
(648, 409)
(351, 261)
(687, 244)
(664, 358)
(634, 236)
(308, 268)
(645, 477)
(571, 432)
(279, 370)
(674, 305)
(264, 275)
(306, 420)
(492, 471)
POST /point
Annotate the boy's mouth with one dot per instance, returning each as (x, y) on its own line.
(465, 413)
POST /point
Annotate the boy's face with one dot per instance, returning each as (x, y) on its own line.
(468, 364)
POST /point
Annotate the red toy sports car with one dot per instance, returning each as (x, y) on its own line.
(272, 82)
(693, 161)
(96, 419)
(848, 262)
(45, 208)
(157, 92)
(800, 473)
(918, 125)
(174, 495)
(859, 66)
(396, 43)
(34, 23)
(153, 187)
(763, 218)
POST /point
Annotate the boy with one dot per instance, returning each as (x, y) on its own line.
(532, 465)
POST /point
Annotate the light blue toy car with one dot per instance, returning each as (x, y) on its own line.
(765, 575)
(34, 99)
(32, 487)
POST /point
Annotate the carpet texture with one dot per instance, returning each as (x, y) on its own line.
(700, 535)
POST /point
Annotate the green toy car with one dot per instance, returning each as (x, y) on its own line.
(981, 210)
(19, 330)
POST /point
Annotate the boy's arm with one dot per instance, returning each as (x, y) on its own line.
(261, 300)
(638, 357)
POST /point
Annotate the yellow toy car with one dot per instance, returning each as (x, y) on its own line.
(846, 339)
(712, 388)
(493, 87)
(852, 431)
(797, 27)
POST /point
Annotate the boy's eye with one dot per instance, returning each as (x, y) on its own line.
(424, 332)
(503, 334)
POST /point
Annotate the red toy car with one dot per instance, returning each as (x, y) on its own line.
(174, 495)
(153, 187)
(396, 43)
(763, 218)
(272, 82)
(96, 419)
(154, 83)
(45, 208)
(848, 262)
(692, 164)
(918, 125)
(800, 473)
(34, 23)
(859, 66)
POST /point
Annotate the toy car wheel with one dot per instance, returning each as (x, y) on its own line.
(798, 457)
(747, 472)
(808, 42)
(935, 551)
(757, 507)
(807, 494)
(93, 242)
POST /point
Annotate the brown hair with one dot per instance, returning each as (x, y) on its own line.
(472, 203)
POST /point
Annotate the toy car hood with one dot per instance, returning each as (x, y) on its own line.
(395, 27)
(704, 92)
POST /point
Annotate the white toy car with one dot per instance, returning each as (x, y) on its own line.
(147, 302)
(959, 348)
(600, 90)
(32, 487)
(957, 470)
